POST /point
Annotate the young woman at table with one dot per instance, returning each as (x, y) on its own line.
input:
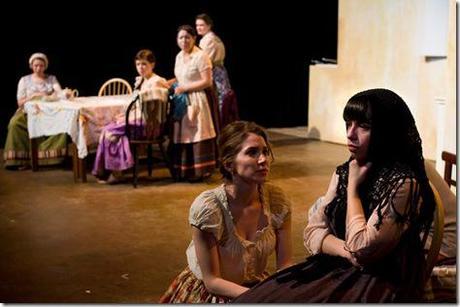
(113, 153)
(35, 86)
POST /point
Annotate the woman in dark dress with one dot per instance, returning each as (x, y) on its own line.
(365, 235)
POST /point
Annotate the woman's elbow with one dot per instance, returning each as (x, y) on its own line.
(210, 284)
(313, 239)
(208, 83)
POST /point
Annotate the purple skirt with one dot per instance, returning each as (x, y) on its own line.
(113, 152)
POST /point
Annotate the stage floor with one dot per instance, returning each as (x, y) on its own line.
(66, 242)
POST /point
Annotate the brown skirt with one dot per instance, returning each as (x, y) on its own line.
(186, 288)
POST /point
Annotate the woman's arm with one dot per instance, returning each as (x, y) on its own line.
(204, 82)
(170, 82)
(336, 247)
(317, 228)
(208, 259)
(363, 239)
(34, 96)
(208, 45)
(356, 175)
(22, 93)
(284, 245)
(317, 235)
(56, 86)
(162, 83)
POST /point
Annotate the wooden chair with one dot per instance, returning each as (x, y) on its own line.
(450, 160)
(115, 86)
(145, 126)
(438, 231)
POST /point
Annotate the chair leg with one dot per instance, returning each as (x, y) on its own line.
(448, 173)
(167, 161)
(83, 169)
(149, 159)
(136, 162)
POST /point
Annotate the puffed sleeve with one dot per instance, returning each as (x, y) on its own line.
(161, 82)
(22, 90)
(206, 214)
(55, 84)
(203, 62)
(208, 45)
(365, 241)
(317, 228)
(280, 206)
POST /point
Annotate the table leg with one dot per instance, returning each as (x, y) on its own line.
(34, 153)
(75, 159)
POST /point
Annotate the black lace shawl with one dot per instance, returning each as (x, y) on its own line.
(379, 186)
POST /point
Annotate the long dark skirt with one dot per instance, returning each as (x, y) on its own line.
(193, 161)
(228, 106)
(322, 279)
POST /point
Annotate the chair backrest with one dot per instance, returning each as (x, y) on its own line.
(146, 119)
(438, 231)
(450, 160)
(115, 86)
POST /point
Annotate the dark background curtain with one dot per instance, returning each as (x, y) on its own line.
(269, 47)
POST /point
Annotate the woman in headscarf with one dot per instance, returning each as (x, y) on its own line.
(194, 135)
(365, 235)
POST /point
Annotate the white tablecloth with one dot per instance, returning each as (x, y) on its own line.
(82, 118)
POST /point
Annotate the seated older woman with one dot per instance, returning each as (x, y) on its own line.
(38, 85)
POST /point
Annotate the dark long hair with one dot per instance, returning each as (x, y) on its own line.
(395, 144)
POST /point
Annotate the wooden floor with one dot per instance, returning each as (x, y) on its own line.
(63, 242)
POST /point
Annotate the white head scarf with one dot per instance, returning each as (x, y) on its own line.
(39, 55)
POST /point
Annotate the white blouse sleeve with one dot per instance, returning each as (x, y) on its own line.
(318, 226)
(362, 237)
(206, 214)
(55, 83)
(208, 45)
(22, 88)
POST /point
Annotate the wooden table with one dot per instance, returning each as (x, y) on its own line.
(82, 118)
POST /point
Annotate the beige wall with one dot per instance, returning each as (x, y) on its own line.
(383, 43)
(449, 141)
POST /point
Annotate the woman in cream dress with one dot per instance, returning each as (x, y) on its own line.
(193, 139)
(236, 226)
